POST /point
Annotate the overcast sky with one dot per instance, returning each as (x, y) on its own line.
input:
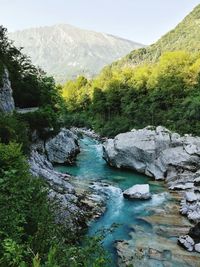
(143, 21)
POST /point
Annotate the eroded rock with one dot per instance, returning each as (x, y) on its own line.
(7, 104)
(156, 152)
(62, 148)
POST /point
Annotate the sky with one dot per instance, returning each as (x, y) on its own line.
(143, 21)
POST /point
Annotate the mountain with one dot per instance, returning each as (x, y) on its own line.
(185, 36)
(65, 51)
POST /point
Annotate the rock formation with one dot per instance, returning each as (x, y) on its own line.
(162, 154)
(158, 153)
(7, 104)
(76, 205)
(140, 191)
(63, 148)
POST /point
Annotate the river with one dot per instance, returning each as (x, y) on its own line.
(124, 213)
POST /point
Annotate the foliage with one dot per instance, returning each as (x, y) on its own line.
(31, 87)
(184, 37)
(11, 131)
(164, 93)
(29, 235)
(45, 121)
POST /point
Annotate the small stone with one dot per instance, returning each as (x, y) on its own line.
(186, 242)
(197, 247)
(190, 196)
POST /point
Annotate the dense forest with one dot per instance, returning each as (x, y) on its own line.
(157, 85)
(164, 93)
(30, 235)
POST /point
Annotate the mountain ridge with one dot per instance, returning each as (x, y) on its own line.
(66, 51)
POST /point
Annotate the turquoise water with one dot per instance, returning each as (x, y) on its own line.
(125, 213)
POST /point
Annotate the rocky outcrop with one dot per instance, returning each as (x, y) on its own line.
(7, 104)
(162, 154)
(62, 148)
(158, 153)
(140, 191)
(76, 206)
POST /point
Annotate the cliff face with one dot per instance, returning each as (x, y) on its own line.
(7, 104)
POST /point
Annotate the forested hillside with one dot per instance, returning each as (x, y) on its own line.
(163, 89)
(184, 37)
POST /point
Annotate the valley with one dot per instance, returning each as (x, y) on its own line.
(99, 148)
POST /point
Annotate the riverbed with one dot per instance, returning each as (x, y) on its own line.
(127, 215)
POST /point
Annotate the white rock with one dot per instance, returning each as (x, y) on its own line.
(156, 152)
(197, 247)
(140, 191)
(63, 147)
(187, 242)
(190, 196)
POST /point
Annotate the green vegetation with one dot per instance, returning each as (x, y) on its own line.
(184, 37)
(31, 87)
(30, 234)
(163, 90)
(164, 93)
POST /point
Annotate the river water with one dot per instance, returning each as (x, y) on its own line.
(121, 212)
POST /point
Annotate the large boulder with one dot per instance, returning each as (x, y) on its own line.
(158, 153)
(139, 191)
(7, 104)
(63, 148)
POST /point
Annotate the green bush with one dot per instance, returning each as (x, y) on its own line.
(29, 234)
(45, 121)
(12, 129)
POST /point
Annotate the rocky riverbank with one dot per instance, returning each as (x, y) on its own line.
(78, 203)
(161, 154)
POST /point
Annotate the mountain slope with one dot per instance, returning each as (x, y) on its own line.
(65, 51)
(186, 36)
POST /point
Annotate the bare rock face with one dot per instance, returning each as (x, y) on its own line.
(76, 205)
(140, 191)
(7, 104)
(158, 153)
(63, 148)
